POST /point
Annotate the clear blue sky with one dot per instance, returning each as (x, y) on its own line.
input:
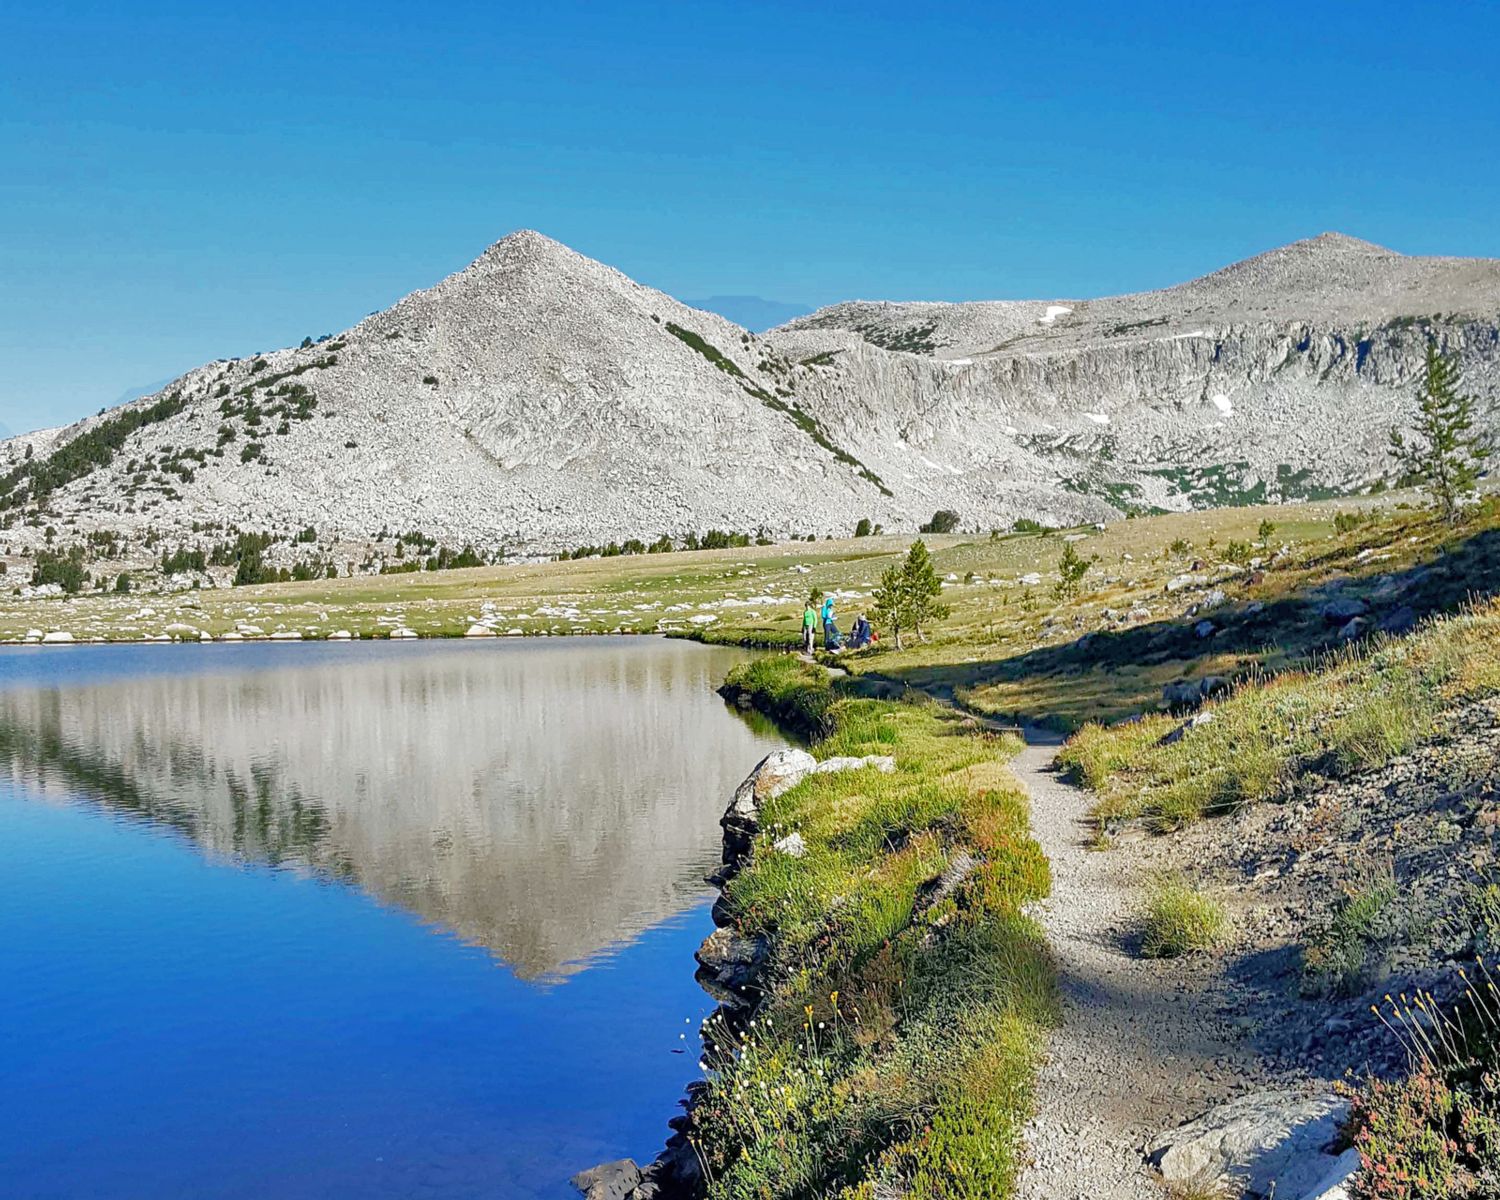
(181, 181)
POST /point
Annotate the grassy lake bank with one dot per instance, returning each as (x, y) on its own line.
(904, 995)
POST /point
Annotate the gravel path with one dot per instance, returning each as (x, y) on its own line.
(1141, 1047)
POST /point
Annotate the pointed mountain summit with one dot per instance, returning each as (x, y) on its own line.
(534, 398)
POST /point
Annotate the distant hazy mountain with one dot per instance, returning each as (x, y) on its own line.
(541, 399)
(755, 313)
(135, 393)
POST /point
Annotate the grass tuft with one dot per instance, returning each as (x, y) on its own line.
(1344, 954)
(1179, 919)
(1216, 1188)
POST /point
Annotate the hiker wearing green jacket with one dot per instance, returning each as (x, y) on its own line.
(809, 624)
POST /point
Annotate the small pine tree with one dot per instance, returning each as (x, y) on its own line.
(863, 528)
(1071, 568)
(891, 608)
(1266, 531)
(923, 587)
(1444, 455)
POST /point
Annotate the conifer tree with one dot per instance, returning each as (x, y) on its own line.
(891, 609)
(1445, 454)
(923, 587)
(907, 597)
(1071, 568)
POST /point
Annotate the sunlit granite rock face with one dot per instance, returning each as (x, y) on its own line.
(544, 800)
(539, 400)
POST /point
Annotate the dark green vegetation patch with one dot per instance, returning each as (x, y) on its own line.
(709, 351)
(36, 479)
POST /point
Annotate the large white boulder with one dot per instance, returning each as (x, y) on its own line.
(778, 772)
(1271, 1143)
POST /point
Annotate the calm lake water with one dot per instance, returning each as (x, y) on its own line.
(352, 921)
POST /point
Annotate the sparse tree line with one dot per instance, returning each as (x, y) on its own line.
(943, 521)
(37, 478)
(714, 539)
(34, 479)
(248, 555)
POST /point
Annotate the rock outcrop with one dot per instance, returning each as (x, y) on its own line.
(1276, 378)
(1278, 1143)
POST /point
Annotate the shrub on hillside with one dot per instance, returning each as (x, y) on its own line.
(182, 560)
(1344, 952)
(1434, 1135)
(61, 567)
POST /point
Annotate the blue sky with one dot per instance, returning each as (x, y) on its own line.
(185, 181)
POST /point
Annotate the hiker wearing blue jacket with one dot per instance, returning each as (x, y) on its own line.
(832, 639)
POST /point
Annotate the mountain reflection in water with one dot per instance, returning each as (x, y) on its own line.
(547, 800)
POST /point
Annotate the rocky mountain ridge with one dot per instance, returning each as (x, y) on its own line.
(538, 400)
(1276, 378)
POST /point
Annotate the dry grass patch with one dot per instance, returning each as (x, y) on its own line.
(1216, 1188)
(1350, 711)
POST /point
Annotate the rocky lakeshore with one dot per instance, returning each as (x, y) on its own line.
(730, 969)
(881, 996)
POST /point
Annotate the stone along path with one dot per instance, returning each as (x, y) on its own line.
(1140, 1047)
